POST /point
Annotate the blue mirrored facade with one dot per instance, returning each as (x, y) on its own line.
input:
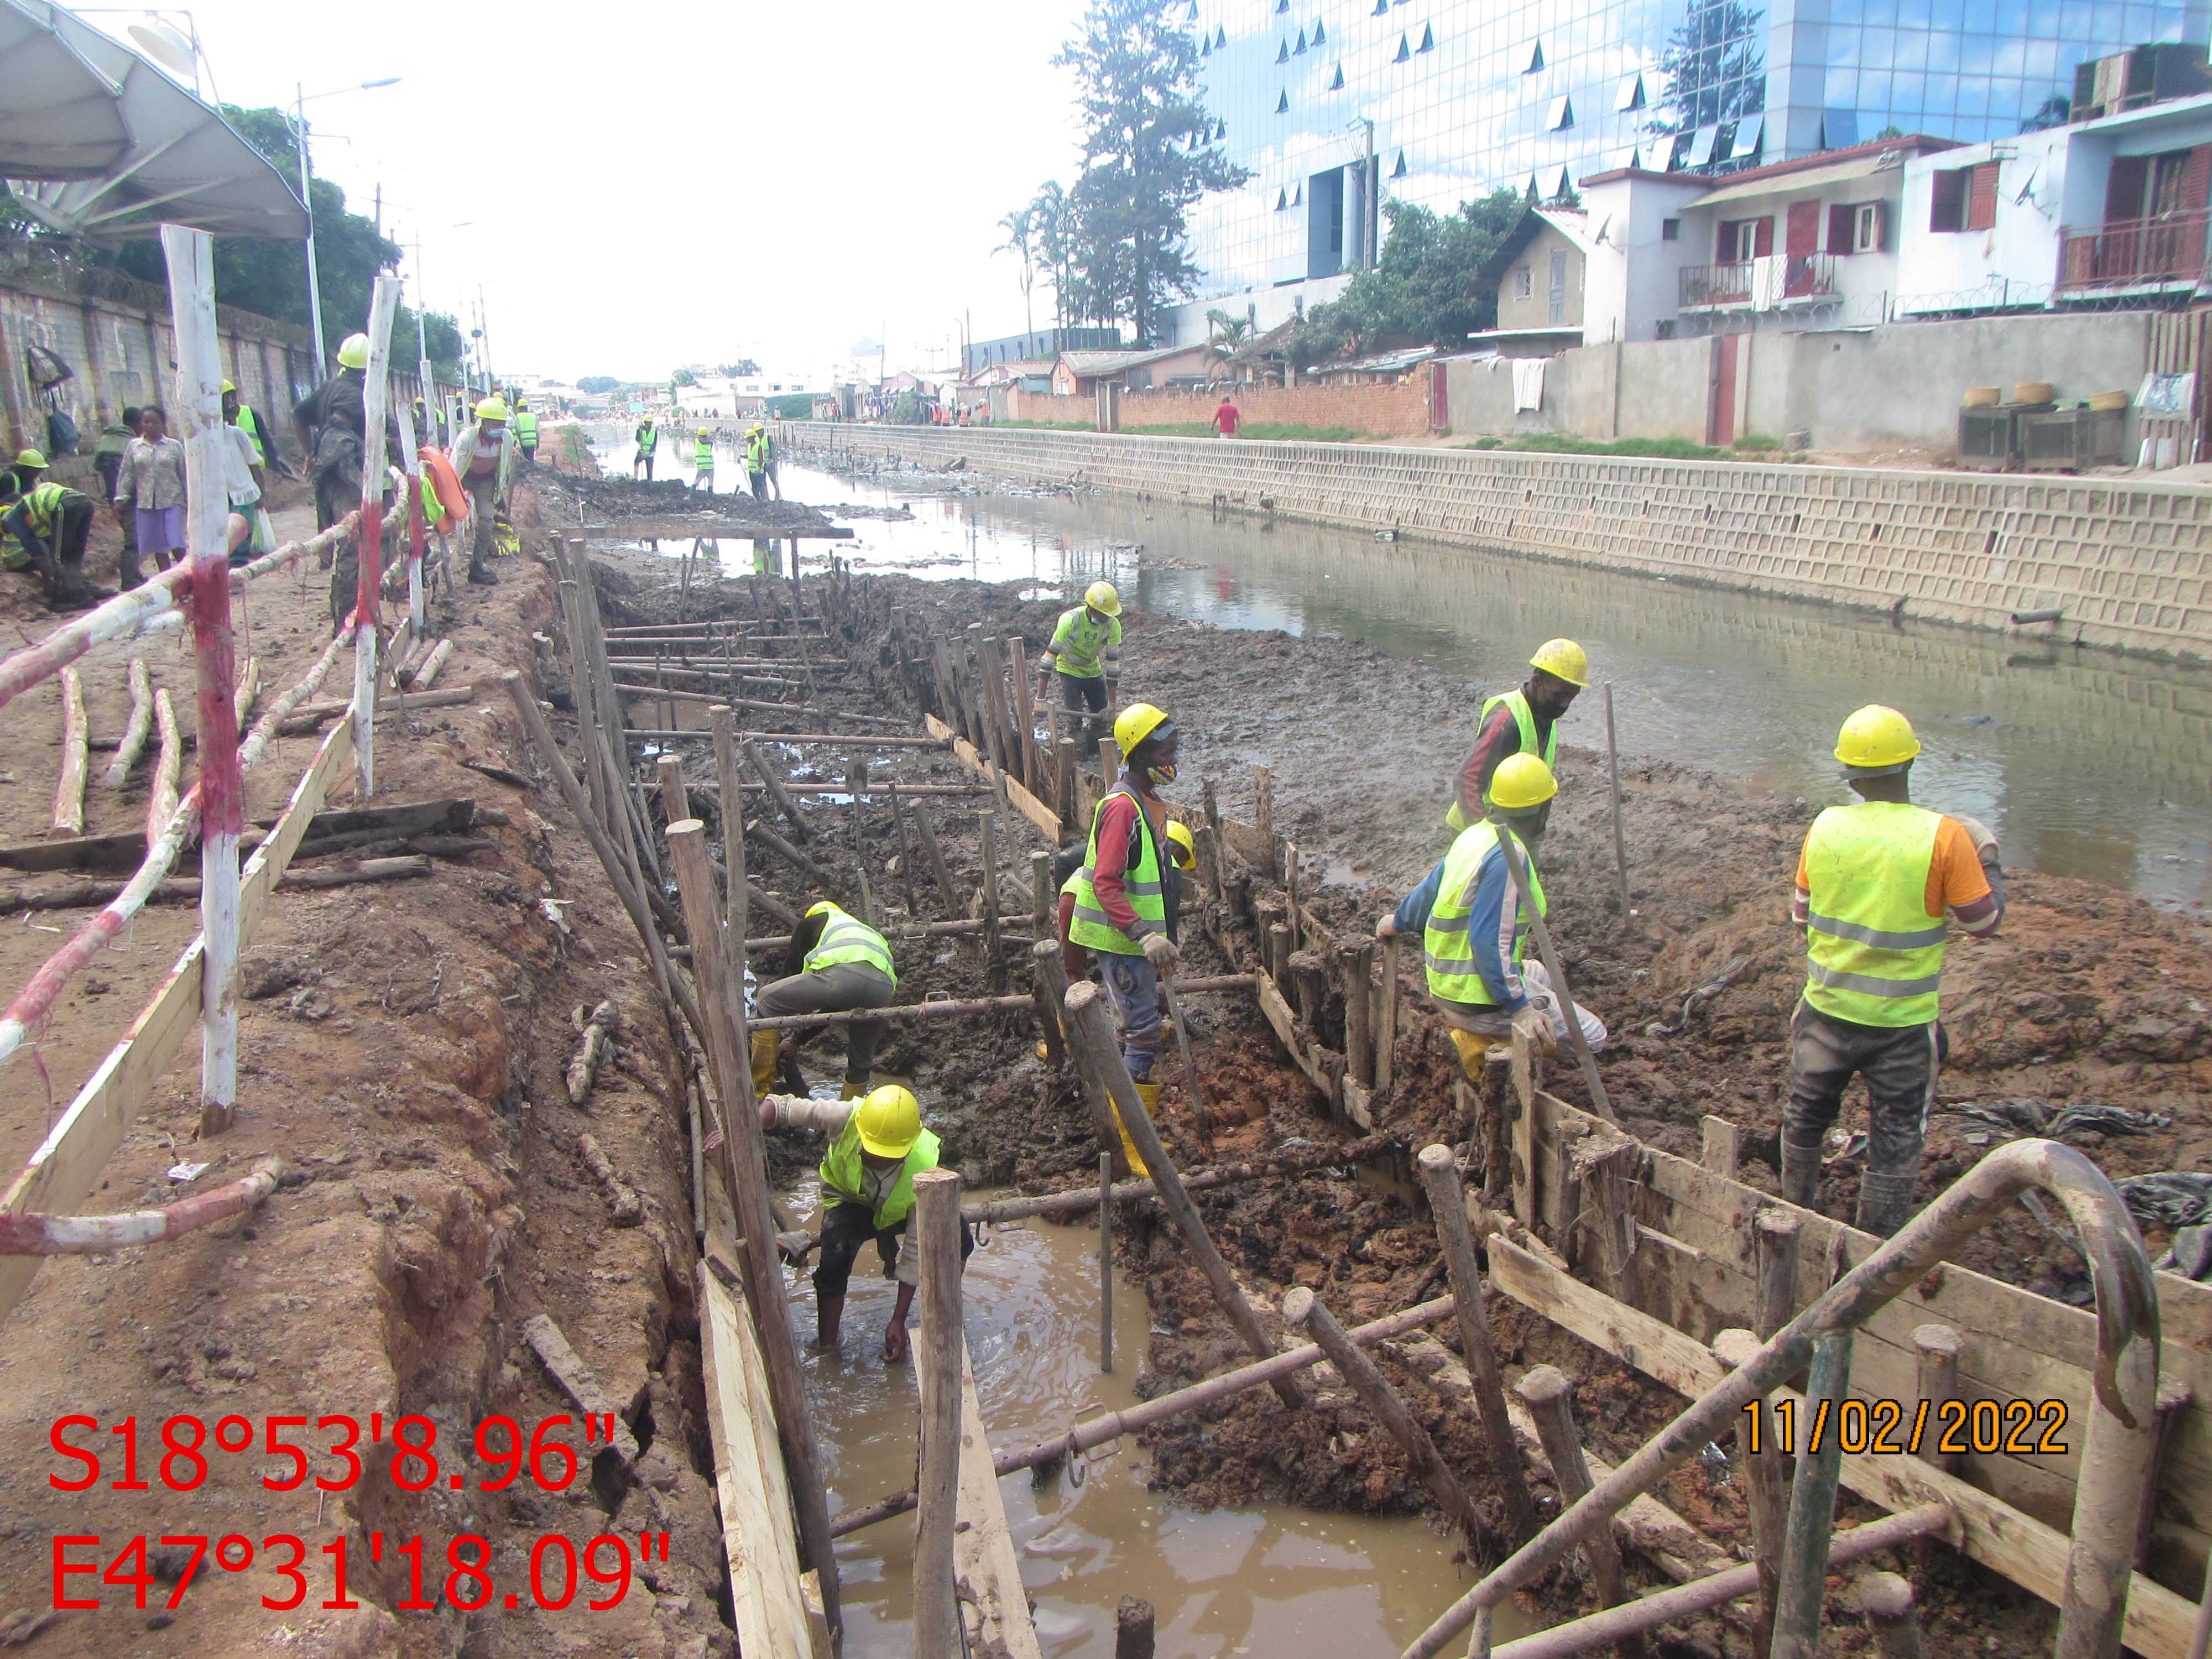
(1336, 104)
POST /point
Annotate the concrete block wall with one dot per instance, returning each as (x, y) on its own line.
(2129, 563)
(1399, 411)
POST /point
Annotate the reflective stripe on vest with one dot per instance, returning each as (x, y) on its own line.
(845, 939)
(43, 508)
(1448, 951)
(1873, 954)
(1079, 644)
(1524, 718)
(702, 455)
(844, 1175)
(1089, 926)
(525, 426)
(756, 452)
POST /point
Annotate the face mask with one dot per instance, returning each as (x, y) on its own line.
(1161, 776)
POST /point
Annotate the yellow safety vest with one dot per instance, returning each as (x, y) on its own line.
(702, 455)
(846, 940)
(1448, 950)
(1523, 717)
(1078, 645)
(1089, 926)
(1873, 954)
(843, 1173)
(249, 424)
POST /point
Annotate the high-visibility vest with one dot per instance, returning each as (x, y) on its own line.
(1874, 954)
(756, 452)
(526, 426)
(843, 1173)
(1525, 717)
(43, 506)
(1078, 643)
(845, 938)
(648, 438)
(702, 455)
(1449, 952)
(1088, 926)
(249, 424)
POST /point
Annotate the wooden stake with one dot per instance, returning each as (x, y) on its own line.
(1066, 771)
(1106, 1263)
(1613, 768)
(675, 803)
(1359, 962)
(772, 779)
(725, 722)
(937, 1241)
(1304, 1311)
(1940, 1349)
(1717, 1152)
(1044, 902)
(1767, 1477)
(1048, 987)
(1263, 815)
(930, 850)
(1886, 1602)
(1549, 1396)
(1386, 1037)
(134, 731)
(1448, 1208)
(1510, 844)
(906, 853)
(994, 963)
(744, 1174)
(1032, 767)
(69, 789)
(1090, 1035)
(1133, 1629)
(1798, 1602)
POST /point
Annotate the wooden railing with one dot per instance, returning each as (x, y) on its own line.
(2167, 249)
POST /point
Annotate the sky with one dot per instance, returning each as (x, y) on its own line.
(641, 187)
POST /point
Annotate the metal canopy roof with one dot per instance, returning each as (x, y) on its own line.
(97, 141)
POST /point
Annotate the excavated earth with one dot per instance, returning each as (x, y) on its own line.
(404, 1045)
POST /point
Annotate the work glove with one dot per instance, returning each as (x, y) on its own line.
(1386, 925)
(1986, 844)
(1160, 951)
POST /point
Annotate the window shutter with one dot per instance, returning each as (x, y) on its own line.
(1882, 226)
(1982, 196)
(2123, 188)
(1765, 237)
(1839, 228)
(2197, 182)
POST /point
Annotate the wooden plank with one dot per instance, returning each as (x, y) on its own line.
(759, 1537)
(274, 856)
(994, 1606)
(1024, 802)
(1278, 1015)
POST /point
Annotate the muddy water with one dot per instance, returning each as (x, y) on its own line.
(2086, 763)
(1226, 1581)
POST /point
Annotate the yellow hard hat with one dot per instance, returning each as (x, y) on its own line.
(492, 408)
(228, 386)
(1521, 782)
(820, 908)
(1875, 740)
(1136, 723)
(1101, 597)
(354, 353)
(889, 1121)
(704, 433)
(1184, 850)
(1563, 659)
(31, 457)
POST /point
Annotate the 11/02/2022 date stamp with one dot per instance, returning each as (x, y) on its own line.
(1950, 1428)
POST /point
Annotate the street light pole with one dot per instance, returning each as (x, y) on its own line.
(308, 201)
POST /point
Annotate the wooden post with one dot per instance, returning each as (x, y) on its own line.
(1263, 815)
(1886, 1602)
(1516, 866)
(1940, 1349)
(1106, 1263)
(1304, 1311)
(937, 1243)
(856, 780)
(1812, 1520)
(1090, 1035)
(1549, 1396)
(724, 723)
(1025, 755)
(376, 392)
(994, 961)
(772, 779)
(1766, 1476)
(190, 255)
(675, 800)
(1066, 770)
(1448, 1208)
(1044, 902)
(410, 463)
(1206, 852)
(168, 767)
(744, 1174)
(1133, 1629)
(1613, 768)
(1386, 1036)
(1359, 962)
(135, 730)
(1048, 985)
(69, 789)
(937, 871)
(1718, 1150)
(1291, 912)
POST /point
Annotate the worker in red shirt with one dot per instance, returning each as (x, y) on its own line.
(1227, 418)
(1524, 721)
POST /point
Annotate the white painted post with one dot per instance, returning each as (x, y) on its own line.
(417, 523)
(376, 397)
(197, 406)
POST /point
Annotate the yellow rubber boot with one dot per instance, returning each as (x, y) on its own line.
(1150, 1094)
(763, 1061)
(1473, 1051)
(853, 1091)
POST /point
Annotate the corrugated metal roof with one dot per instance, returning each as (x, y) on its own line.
(1790, 184)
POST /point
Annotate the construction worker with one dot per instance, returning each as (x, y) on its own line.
(703, 461)
(242, 416)
(43, 529)
(760, 461)
(836, 963)
(867, 1175)
(1467, 912)
(1875, 883)
(1182, 859)
(332, 426)
(483, 458)
(1520, 722)
(1085, 650)
(526, 433)
(1119, 913)
(648, 438)
(107, 462)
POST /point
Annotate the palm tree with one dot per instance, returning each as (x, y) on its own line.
(1226, 336)
(1020, 242)
(1050, 229)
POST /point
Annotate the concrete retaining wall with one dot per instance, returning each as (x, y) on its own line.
(1400, 411)
(2130, 564)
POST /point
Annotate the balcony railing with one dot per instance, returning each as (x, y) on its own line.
(2131, 253)
(1763, 284)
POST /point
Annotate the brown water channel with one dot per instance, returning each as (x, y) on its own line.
(2086, 763)
(1269, 1581)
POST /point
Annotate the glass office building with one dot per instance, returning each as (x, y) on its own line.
(1336, 104)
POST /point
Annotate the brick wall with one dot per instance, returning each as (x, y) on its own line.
(1377, 411)
(2130, 564)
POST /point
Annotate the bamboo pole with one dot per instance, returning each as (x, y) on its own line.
(69, 787)
(190, 257)
(1106, 1263)
(1090, 1035)
(744, 1173)
(1548, 1394)
(136, 729)
(1448, 1207)
(1510, 844)
(937, 1238)
(1612, 769)
(773, 782)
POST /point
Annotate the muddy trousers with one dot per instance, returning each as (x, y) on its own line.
(1135, 989)
(645, 461)
(846, 986)
(1087, 699)
(1900, 1064)
(62, 569)
(484, 515)
(845, 1228)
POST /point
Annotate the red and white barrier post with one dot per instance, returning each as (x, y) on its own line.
(198, 407)
(376, 398)
(412, 464)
